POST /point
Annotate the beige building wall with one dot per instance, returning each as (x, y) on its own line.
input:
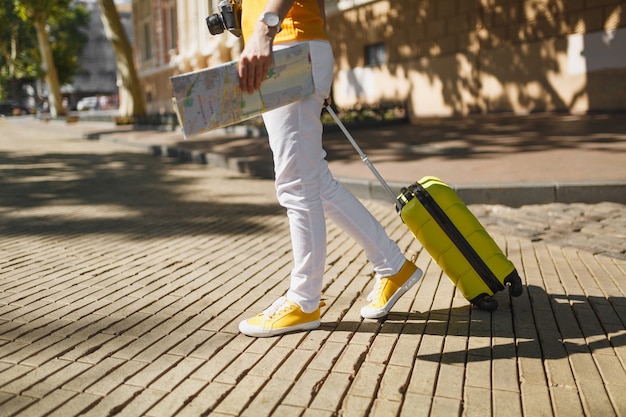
(440, 57)
(449, 57)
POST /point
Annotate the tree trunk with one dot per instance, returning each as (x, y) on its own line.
(131, 97)
(51, 77)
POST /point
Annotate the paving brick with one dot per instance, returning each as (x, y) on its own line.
(305, 388)
(534, 400)
(214, 344)
(140, 403)
(232, 373)
(85, 347)
(179, 372)
(393, 383)
(115, 377)
(282, 411)
(355, 405)
(43, 385)
(107, 349)
(150, 373)
(455, 349)
(268, 398)
(616, 395)
(33, 375)
(442, 406)
(331, 391)
(16, 404)
(55, 350)
(137, 346)
(531, 370)
(450, 382)
(478, 401)
(367, 380)
(351, 359)
(271, 361)
(74, 406)
(10, 373)
(566, 401)
(238, 398)
(52, 401)
(594, 397)
(294, 366)
(92, 375)
(314, 412)
(423, 378)
(175, 400)
(165, 344)
(189, 343)
(206, 400)
(382, 407)
(504, 373)
(326, 356)
(506, 402)
(28, 331)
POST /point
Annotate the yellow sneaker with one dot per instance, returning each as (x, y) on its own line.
(387, 290)
(282, 316)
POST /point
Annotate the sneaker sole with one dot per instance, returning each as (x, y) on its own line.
(253, 331)
(367, 313)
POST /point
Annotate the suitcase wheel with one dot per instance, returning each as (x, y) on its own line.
(486, 303)
(514, 283)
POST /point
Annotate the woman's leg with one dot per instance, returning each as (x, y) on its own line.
(295, 136)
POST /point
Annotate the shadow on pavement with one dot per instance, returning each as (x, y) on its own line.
(557, 326)
(482, 137)
(125, 193)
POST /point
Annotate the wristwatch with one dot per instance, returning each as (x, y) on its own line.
(271, 20)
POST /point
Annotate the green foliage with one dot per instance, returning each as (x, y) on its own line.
(41, 9)
(68, 37)
(20, 58)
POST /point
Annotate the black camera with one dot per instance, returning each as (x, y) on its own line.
(229, 19)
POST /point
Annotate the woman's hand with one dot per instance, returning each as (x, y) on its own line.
(256, 59)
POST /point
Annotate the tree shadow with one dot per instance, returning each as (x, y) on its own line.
(125, 193)
(478, 56)
(481, 137)
(537, 325)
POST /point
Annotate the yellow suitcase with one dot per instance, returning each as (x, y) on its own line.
(457, 241)
(451, 234)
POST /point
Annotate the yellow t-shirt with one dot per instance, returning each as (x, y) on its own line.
(302, 23)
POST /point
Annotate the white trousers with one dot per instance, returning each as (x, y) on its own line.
(307, 189)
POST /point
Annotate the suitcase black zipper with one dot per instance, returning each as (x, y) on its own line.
(456, 237)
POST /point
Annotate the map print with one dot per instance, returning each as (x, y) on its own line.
(211, 98)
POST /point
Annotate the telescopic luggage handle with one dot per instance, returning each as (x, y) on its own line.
(363, 156)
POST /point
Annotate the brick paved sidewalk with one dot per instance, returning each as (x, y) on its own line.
(123, 278)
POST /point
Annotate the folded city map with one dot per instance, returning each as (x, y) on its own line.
(211, 98)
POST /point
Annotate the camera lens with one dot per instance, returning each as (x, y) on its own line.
(215, 25)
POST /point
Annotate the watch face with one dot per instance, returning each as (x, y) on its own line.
(271, 19)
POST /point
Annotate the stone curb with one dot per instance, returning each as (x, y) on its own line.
(512, 195)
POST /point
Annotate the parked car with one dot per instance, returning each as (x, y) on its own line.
(87, 103)
(12, 108)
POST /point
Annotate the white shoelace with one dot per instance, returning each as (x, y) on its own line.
(277, 306)
(376, 290)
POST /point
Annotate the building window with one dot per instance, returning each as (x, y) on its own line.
(144, 29)
(375, 54)
(172, 26)
(146, 47)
